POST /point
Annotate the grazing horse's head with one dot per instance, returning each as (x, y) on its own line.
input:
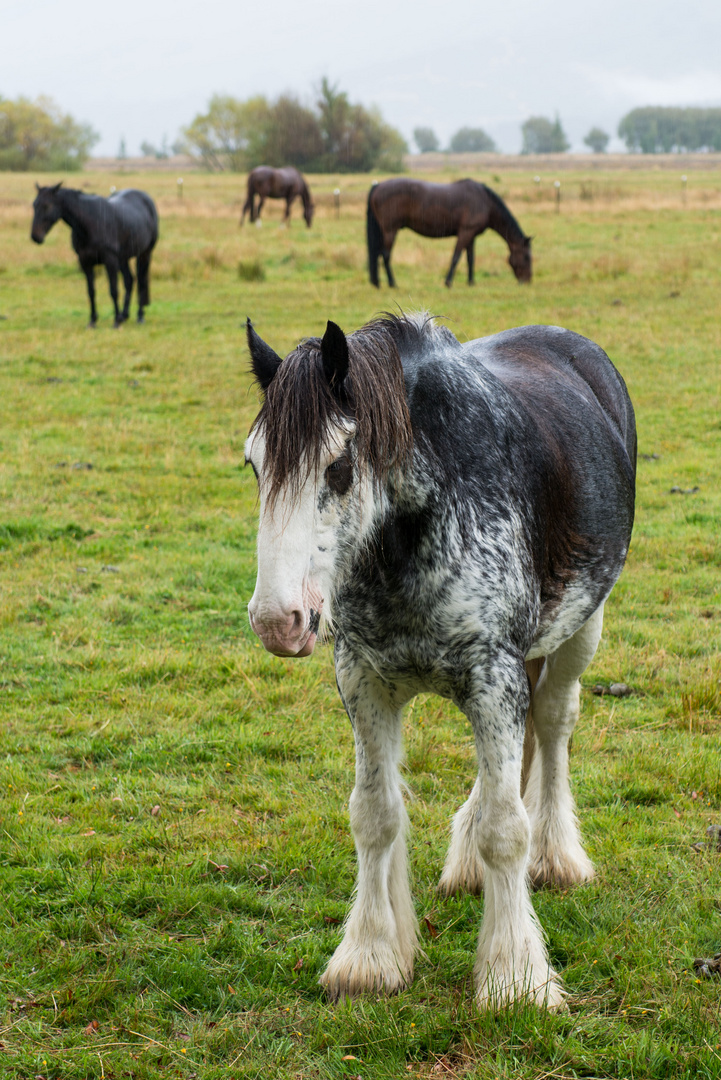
(308, 211)
(520, 259)
(46, 211)
(333, 425)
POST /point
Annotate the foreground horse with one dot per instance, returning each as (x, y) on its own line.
(104, 231)
(463, 209)
(451, 512)
(269, 183)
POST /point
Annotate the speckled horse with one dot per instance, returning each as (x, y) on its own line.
(453, 514)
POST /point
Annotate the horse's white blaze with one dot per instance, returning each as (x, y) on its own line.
(298, 540)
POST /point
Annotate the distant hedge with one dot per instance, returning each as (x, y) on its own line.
(660, 129)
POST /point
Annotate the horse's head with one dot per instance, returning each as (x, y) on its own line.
(520, 259)
(325, 435)
(46, 211)
(308, 211)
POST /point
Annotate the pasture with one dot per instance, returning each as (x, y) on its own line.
(175, 852)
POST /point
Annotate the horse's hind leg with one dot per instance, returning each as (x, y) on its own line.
(143, 269)
(388, 240)
(256, 219)
(557, 855)
(128, 281)
(471, 257)
(380, 936)
(511, 962)
(462, 242)
(111, 268)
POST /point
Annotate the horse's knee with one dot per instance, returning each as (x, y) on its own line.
(376, 816)
(504, 834)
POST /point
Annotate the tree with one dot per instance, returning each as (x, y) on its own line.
(232, 134)
(426, 140)
(660, 129)
(37, 135)
(292, 135)
(336, 136)
(471, 141)
(597, 140)
(543, 136)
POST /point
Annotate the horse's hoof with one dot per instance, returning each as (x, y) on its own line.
(91, 326)
(141, 318)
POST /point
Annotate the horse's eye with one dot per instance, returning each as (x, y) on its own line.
(339, 474)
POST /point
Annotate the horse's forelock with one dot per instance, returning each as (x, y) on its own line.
(300, 412)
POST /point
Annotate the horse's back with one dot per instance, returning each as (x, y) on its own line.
(536, 362)
(434, 210)
(137, 215)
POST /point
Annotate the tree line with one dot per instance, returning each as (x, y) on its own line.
(332, 135)
(658, 129)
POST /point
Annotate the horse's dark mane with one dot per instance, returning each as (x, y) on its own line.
(300, 406)
(503, 210)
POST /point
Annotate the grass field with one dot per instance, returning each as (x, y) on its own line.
(175, 852)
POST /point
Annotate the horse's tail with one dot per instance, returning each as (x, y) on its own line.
(375, 240)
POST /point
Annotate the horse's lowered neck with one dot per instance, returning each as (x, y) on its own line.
(505, 225)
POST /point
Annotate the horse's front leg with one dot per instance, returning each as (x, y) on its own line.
(380, 936)
(89, 271)
(261, 202)
(288, 202)
(512, 962)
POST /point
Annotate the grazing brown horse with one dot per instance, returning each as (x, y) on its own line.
(268, 183)
(463, 209)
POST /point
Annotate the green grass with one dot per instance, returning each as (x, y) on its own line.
(175, 852)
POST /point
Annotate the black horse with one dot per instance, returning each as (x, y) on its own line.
(268, 183)
(463, 209)
(104, 231)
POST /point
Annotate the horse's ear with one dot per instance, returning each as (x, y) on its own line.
(334, 352)
(264, 360)
(37, 186)
(57, 187)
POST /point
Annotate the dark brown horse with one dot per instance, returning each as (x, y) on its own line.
(268, 183)
(464, 209)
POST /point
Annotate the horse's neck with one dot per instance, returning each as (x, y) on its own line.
(72, 211)
(503, 222)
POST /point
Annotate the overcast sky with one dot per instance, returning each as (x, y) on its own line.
(142, 69)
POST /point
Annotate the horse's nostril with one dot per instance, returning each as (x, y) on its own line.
(298, 622)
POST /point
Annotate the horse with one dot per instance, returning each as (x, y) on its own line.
(455, 514)
(268, 183)
(463, 209)
(104, 231)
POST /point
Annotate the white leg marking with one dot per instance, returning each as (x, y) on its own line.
(380, 937)
(557, 855)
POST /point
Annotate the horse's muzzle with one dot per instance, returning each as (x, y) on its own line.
(287, 635)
